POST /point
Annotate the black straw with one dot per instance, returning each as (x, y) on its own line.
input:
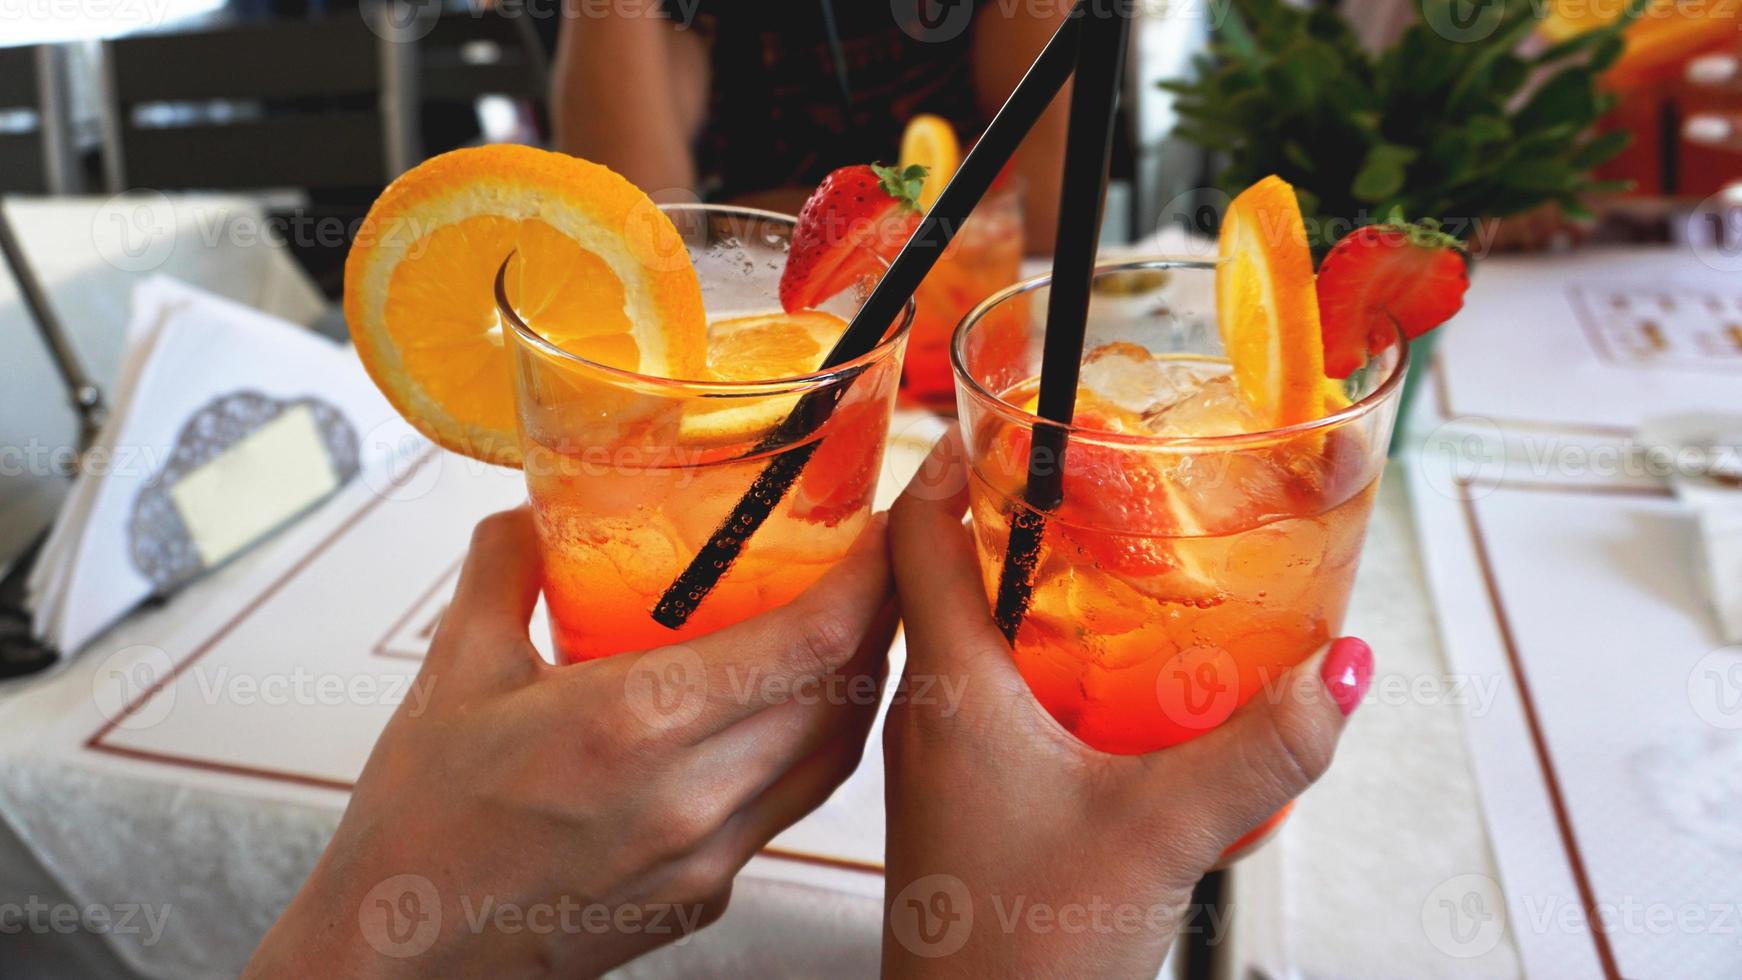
(887, 302)
(1088, 148)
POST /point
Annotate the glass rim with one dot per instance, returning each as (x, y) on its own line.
(1358, 409)
(702, 386)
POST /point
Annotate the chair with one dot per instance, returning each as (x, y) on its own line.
(37, 158)
(312, 105)
(470, 55)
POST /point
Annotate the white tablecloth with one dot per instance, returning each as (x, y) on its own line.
(1341, 892)
(1352, 886)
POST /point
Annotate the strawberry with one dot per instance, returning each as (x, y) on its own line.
(857, 216)
(841, 475)
(1412, 274)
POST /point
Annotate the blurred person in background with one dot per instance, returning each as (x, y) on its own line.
(754, 103)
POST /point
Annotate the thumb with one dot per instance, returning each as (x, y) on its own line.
(1271, 749)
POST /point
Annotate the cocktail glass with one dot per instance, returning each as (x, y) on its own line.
(1193, 560)
(630, 475)
(984, 257)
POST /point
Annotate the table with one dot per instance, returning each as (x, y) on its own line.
(1372, 845)
(1343, 890)
(1352, 885)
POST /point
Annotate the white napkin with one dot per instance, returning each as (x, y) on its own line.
(225, 423)
(1701, 457)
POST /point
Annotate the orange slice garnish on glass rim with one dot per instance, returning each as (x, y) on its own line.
(1267, 305)
(931, 142)
(600, 272)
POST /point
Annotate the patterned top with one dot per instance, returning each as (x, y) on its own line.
(801, 87)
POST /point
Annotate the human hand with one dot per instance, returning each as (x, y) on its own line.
(524, 819)
(1013, 848)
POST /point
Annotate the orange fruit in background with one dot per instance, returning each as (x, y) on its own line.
(930, 141)
(1267, 305)
(600, 272)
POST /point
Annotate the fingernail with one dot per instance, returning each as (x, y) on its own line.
(1347, 670)
(1707, 130)
(1714, 69)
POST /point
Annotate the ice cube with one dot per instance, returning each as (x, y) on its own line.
(1224, 492)
(1129, 376)
(1211, 406)
(1123, 374)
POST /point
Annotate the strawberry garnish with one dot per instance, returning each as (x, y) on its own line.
(839, 479)
(1411, 274)
(857, 218)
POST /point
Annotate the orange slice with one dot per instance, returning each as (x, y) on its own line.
(764, 347)
(771, 346)
(600, 272)
(1267, 305)
(931, 142)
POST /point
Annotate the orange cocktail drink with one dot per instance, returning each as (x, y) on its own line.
(1198, 552)
(630, 475)
(985, 256)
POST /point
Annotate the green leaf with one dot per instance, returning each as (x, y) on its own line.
(1235, 35)
(1575, 209)
(1600, 149)
(1539, 175)
(1488, 129)
(1382, 173)
(903, 185)
(1493, 50)
(1606, 53)
(1569, 96)
(1453, 151)
(1510, 74)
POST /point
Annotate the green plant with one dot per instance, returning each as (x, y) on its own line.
(1450, 123)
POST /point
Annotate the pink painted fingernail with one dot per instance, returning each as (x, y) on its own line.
(1347, 671)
